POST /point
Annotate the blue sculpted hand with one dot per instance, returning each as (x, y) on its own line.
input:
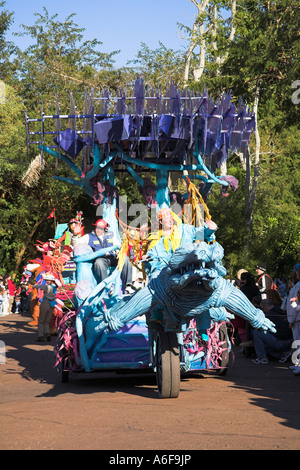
(268, 325)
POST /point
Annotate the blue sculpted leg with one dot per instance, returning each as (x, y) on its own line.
(102, 313)
(139, 304)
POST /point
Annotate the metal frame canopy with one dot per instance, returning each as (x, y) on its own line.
(176, 132)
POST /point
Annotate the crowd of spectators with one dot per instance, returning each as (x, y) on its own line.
(13, 299)
(280, 302)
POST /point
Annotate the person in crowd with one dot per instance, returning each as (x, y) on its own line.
(11, 290)
(4, 296)
(281, 286)
(238, 282)
(248, 286)
(239, 324)
(292, 280)
(248, 345)
(256, 300)
(100, 238)
(17, 301)
(264, 281)
(276, 345)
(274, 295)
(24, 298)
(2, 293)
(293, 317)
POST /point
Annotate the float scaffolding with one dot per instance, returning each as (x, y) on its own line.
(177, 322)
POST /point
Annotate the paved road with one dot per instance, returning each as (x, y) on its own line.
(253, 407)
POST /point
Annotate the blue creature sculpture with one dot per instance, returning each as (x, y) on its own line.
(191, 285)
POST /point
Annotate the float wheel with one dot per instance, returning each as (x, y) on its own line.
(224, 360)
(167, 365)
(64, 371)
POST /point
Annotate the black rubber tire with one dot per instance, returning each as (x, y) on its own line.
(63, 371)
(224, 361)
(167, 365)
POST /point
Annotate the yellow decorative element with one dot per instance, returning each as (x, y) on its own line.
(153, 239)
(122, 254)
(174, 238)
(196, 200)
(140, 247)
(176, 219)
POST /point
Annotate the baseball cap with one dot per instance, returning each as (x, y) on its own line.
(101, 223)
(261, 266)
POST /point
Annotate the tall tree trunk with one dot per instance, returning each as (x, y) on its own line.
(189, 52)
(220, 60)
(247, 168)
(198, 38)
(252, 194)
(223, 168)
(198, 27)
(199, 70)
(242, 158)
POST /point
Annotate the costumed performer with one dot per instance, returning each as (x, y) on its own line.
(74, 223)
(172, 234)
(46, 307)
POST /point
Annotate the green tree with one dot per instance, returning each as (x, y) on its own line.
(59, 60)
(208, 39)
(159, 66)
(254, 52)
(262, 65)
(12, 139)
(7, 48)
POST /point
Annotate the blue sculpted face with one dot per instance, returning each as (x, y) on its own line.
(194, 266)
(190, 254)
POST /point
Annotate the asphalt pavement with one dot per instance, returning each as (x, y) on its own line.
(254, 407)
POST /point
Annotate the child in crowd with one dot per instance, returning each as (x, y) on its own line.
(293, 315)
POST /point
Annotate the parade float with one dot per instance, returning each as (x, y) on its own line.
(177, 319)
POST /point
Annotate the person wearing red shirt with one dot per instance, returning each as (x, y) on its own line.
(12, 290)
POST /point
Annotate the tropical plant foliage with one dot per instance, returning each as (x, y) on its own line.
(253, 50)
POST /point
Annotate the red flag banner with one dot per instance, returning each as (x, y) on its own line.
(52, 215)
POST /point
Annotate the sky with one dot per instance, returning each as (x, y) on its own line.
(118, 24)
